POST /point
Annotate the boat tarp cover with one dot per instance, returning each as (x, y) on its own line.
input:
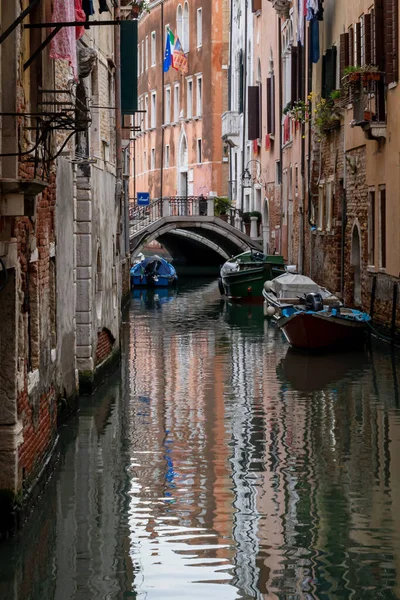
(292, 285)
(154, 263)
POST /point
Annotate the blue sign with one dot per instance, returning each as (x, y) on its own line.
(143, 198)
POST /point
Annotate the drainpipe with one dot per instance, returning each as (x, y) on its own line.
(244, 104)
(344, 215)
(230, 99)
(162, 100)
(310, 160)
(118, 131)
(280, 123)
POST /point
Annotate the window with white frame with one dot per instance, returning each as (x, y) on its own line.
(167, 105)
(328, 205)
(142, 57)
(153, 110)
(147, 53)
(199, 96)
(144, 162)
(199, 151)
(153, 48)
(153, 159)
(199, 27)
(321, 206)
(177, 107)
(287, 42)
(179, 23)
(138, 60)
(186, 42)
(382, 227)
(189, 99)
(166, 157)
(146, 114)
(371, 227)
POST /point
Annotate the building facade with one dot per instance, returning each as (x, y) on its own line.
(62, 246)
(323, 135)
(178, 148)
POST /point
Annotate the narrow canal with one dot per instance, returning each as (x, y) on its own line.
(217, 464)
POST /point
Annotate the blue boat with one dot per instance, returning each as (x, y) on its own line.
(153, 271)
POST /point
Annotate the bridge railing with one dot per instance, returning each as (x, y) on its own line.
(188, 206)
(142, 216)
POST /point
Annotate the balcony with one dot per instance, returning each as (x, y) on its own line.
(369, 106)
(231, 127)
(281, 6)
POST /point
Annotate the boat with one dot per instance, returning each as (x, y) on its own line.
(243, 276)
(310, 317)
(153, 271)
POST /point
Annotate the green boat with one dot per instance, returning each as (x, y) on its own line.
(243, 276)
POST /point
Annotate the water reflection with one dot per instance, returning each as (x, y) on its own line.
(220, 464)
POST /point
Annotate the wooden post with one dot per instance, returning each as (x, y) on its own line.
(373, 293)
(394, 310)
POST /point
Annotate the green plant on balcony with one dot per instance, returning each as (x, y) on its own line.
(354, 73)
(256, 213)
(298, 111)
(222, 204)
(325, 115)
(140, 6)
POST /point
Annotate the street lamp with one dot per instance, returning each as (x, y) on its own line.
(247, 179)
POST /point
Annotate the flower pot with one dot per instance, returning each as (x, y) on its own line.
(367, 115)
(375, 76)
(354, 76)
(135, 11)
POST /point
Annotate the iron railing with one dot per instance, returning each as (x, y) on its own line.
(188, 206)
(142, 216)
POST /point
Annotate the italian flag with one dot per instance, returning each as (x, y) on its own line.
(169, 51)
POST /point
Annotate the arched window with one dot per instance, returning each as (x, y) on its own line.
(179, 23)
(185, 42)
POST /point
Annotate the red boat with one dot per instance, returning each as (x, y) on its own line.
(310, 316)
(322, 330)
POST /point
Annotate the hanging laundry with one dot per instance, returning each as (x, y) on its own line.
(88, 7)
(63, 45)
(320, 11)
(79, 16)
(300, 25)
(312, 9)
(103, 6)
(314, 46)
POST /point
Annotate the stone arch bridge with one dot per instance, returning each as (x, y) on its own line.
(188, 228)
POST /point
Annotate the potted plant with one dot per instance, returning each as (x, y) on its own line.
(325, 114)
(246, 221)
(222, 204)
(354, 73)
(138, 7)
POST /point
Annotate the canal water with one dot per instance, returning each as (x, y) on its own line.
(218, 464)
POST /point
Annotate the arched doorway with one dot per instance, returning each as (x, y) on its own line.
(183, 166)
(265, 226)
(356, 264)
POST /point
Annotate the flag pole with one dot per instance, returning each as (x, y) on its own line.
(162, 100)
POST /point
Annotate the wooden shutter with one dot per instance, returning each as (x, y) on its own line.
(379, 34)
(256, 5)
(329, 72)
(351, 46)
(301, 73)
(368, 39)
(344, 53)
(395, 40)
(270, 106)
(260, 110)
(293, 58)
(358, 44)
(253, 112)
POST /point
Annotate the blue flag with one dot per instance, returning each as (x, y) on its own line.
(169, 44)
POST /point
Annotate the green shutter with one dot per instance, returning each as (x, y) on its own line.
(129, 67)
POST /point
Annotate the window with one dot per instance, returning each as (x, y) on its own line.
(146, 114)
(144, 161)
(138, 59)
(329, 205)
(199, 27)
(351, 46)
(176, 103)
(321, 207)
(362, 40)
(142, 57)
(179, 23)
(147, 53)
(168, 105)
(153, 110)
(166, 157)
(199, 151)
(371, 227)
(189, 99)
(199, 96)
(185, 43)
(153, 48)
(382, 228)
(153, 159)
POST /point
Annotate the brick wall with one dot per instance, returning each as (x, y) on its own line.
(105, 344)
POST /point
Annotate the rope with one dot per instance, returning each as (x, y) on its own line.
(380, 335)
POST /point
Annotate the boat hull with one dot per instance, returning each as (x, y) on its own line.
(313, 331)
(247, 285)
